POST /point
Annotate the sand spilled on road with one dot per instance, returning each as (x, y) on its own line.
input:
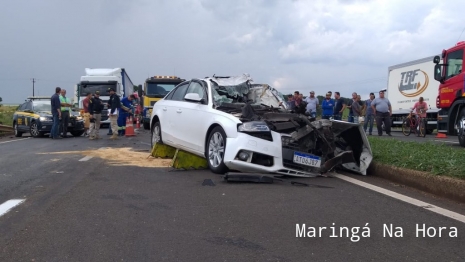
(122, 157)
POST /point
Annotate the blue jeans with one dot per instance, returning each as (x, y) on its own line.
(350, 117)
(55, 132)
(337, 116)
(369, 118)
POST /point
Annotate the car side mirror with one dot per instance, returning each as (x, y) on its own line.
(193, 97)
(437, 59)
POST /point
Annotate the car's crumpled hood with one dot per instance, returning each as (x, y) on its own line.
(338, 143)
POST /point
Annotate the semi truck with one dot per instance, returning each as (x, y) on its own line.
(451, 92)
(409, 81)
(101, 79)
(155, 88)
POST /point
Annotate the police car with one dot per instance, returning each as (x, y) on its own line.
(35, 117)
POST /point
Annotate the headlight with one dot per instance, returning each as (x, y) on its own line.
(45, 119)
(254, 126)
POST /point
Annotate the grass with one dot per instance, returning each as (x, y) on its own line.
(6, 114)
(437, 159)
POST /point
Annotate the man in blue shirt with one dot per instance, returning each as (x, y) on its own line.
(56, 113)
(126, 111)
(327, 105)
(369, 116)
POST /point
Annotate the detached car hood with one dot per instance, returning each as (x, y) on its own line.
(338, 143)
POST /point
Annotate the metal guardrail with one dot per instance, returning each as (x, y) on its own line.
(6, 129)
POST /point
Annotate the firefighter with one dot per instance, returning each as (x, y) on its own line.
(125, 112)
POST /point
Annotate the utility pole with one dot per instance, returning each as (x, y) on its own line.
(33, 81)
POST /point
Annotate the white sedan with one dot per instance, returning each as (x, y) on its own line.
(238, 125)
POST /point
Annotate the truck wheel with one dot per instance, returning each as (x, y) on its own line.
(461, 128)
(146, 126)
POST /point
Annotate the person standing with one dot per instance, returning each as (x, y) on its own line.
(383, 111)
(351, 112)
(312, 104)
(65, 111)
(56, 113)
(125, 112)
(356, 109)
(328, 106)
(85, 105)
(339, 106)
(114, 105)
(95, 110)
(369, 115)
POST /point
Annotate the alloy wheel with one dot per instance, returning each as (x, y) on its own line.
(34, 130)
(216, 149)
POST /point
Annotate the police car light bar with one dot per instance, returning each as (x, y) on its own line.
(169, 77)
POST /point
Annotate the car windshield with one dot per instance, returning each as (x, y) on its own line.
(92, 88)
(159, 90)
(42, 106)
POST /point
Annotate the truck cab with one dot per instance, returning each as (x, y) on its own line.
(155, 88)
(451, 91)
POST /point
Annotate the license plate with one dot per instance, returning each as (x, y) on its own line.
(308, 160)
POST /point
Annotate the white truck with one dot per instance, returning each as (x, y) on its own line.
(101, 79)
(409, 81)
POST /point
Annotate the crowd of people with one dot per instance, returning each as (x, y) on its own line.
(118, 112)
(368, 111)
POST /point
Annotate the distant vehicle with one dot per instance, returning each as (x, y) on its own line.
(451, 92)
(35, 117)
(101, 79)
(155, 88)
(407, 82)
(238, 125)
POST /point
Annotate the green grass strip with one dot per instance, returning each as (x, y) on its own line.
(435, 158)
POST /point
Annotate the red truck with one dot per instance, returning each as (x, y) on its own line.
(451, 93)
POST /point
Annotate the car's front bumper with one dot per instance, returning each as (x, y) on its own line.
(46, 126)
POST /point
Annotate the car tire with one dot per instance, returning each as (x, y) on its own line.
(215, 151)
(34, 130)
(17, 132)
(156, 128)
(77, 133)
(461, 125)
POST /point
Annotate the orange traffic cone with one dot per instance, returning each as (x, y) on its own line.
(441, 135)
(129, 127)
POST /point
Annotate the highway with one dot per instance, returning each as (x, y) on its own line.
(104, 200)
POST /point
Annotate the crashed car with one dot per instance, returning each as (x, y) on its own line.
(238, 125)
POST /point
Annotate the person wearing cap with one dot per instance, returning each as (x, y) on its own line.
(65, 110)
(95, 110)
(369, 114)
(86, 115)
(327, 105)
(312, 104)
(114, 106)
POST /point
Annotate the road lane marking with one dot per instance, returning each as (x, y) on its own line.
(407, 199)
(454, 142)
(14, 140)
(8, 205)
(85, 158)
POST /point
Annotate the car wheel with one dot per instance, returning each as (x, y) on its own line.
(156, 134)
(461, 128)
(34, 130)
(17, 132)
(216, 147)
(77, 133)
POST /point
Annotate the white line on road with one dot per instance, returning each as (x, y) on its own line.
(8, 205)
(14, 140)
(453, 142)
(407, 199)
(85, 158)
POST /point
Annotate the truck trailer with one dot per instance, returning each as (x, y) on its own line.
(101, 79)
(409, 81)
(451, 92)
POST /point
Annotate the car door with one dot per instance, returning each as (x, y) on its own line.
(193, 117)
(20, 117)
(169, 116)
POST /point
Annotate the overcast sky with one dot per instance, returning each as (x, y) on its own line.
(325, 45)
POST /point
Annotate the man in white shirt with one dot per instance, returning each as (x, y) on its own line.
(312, 104)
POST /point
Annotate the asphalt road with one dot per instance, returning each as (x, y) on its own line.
(108, 208)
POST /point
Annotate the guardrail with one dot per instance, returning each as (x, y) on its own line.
(6, 129)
